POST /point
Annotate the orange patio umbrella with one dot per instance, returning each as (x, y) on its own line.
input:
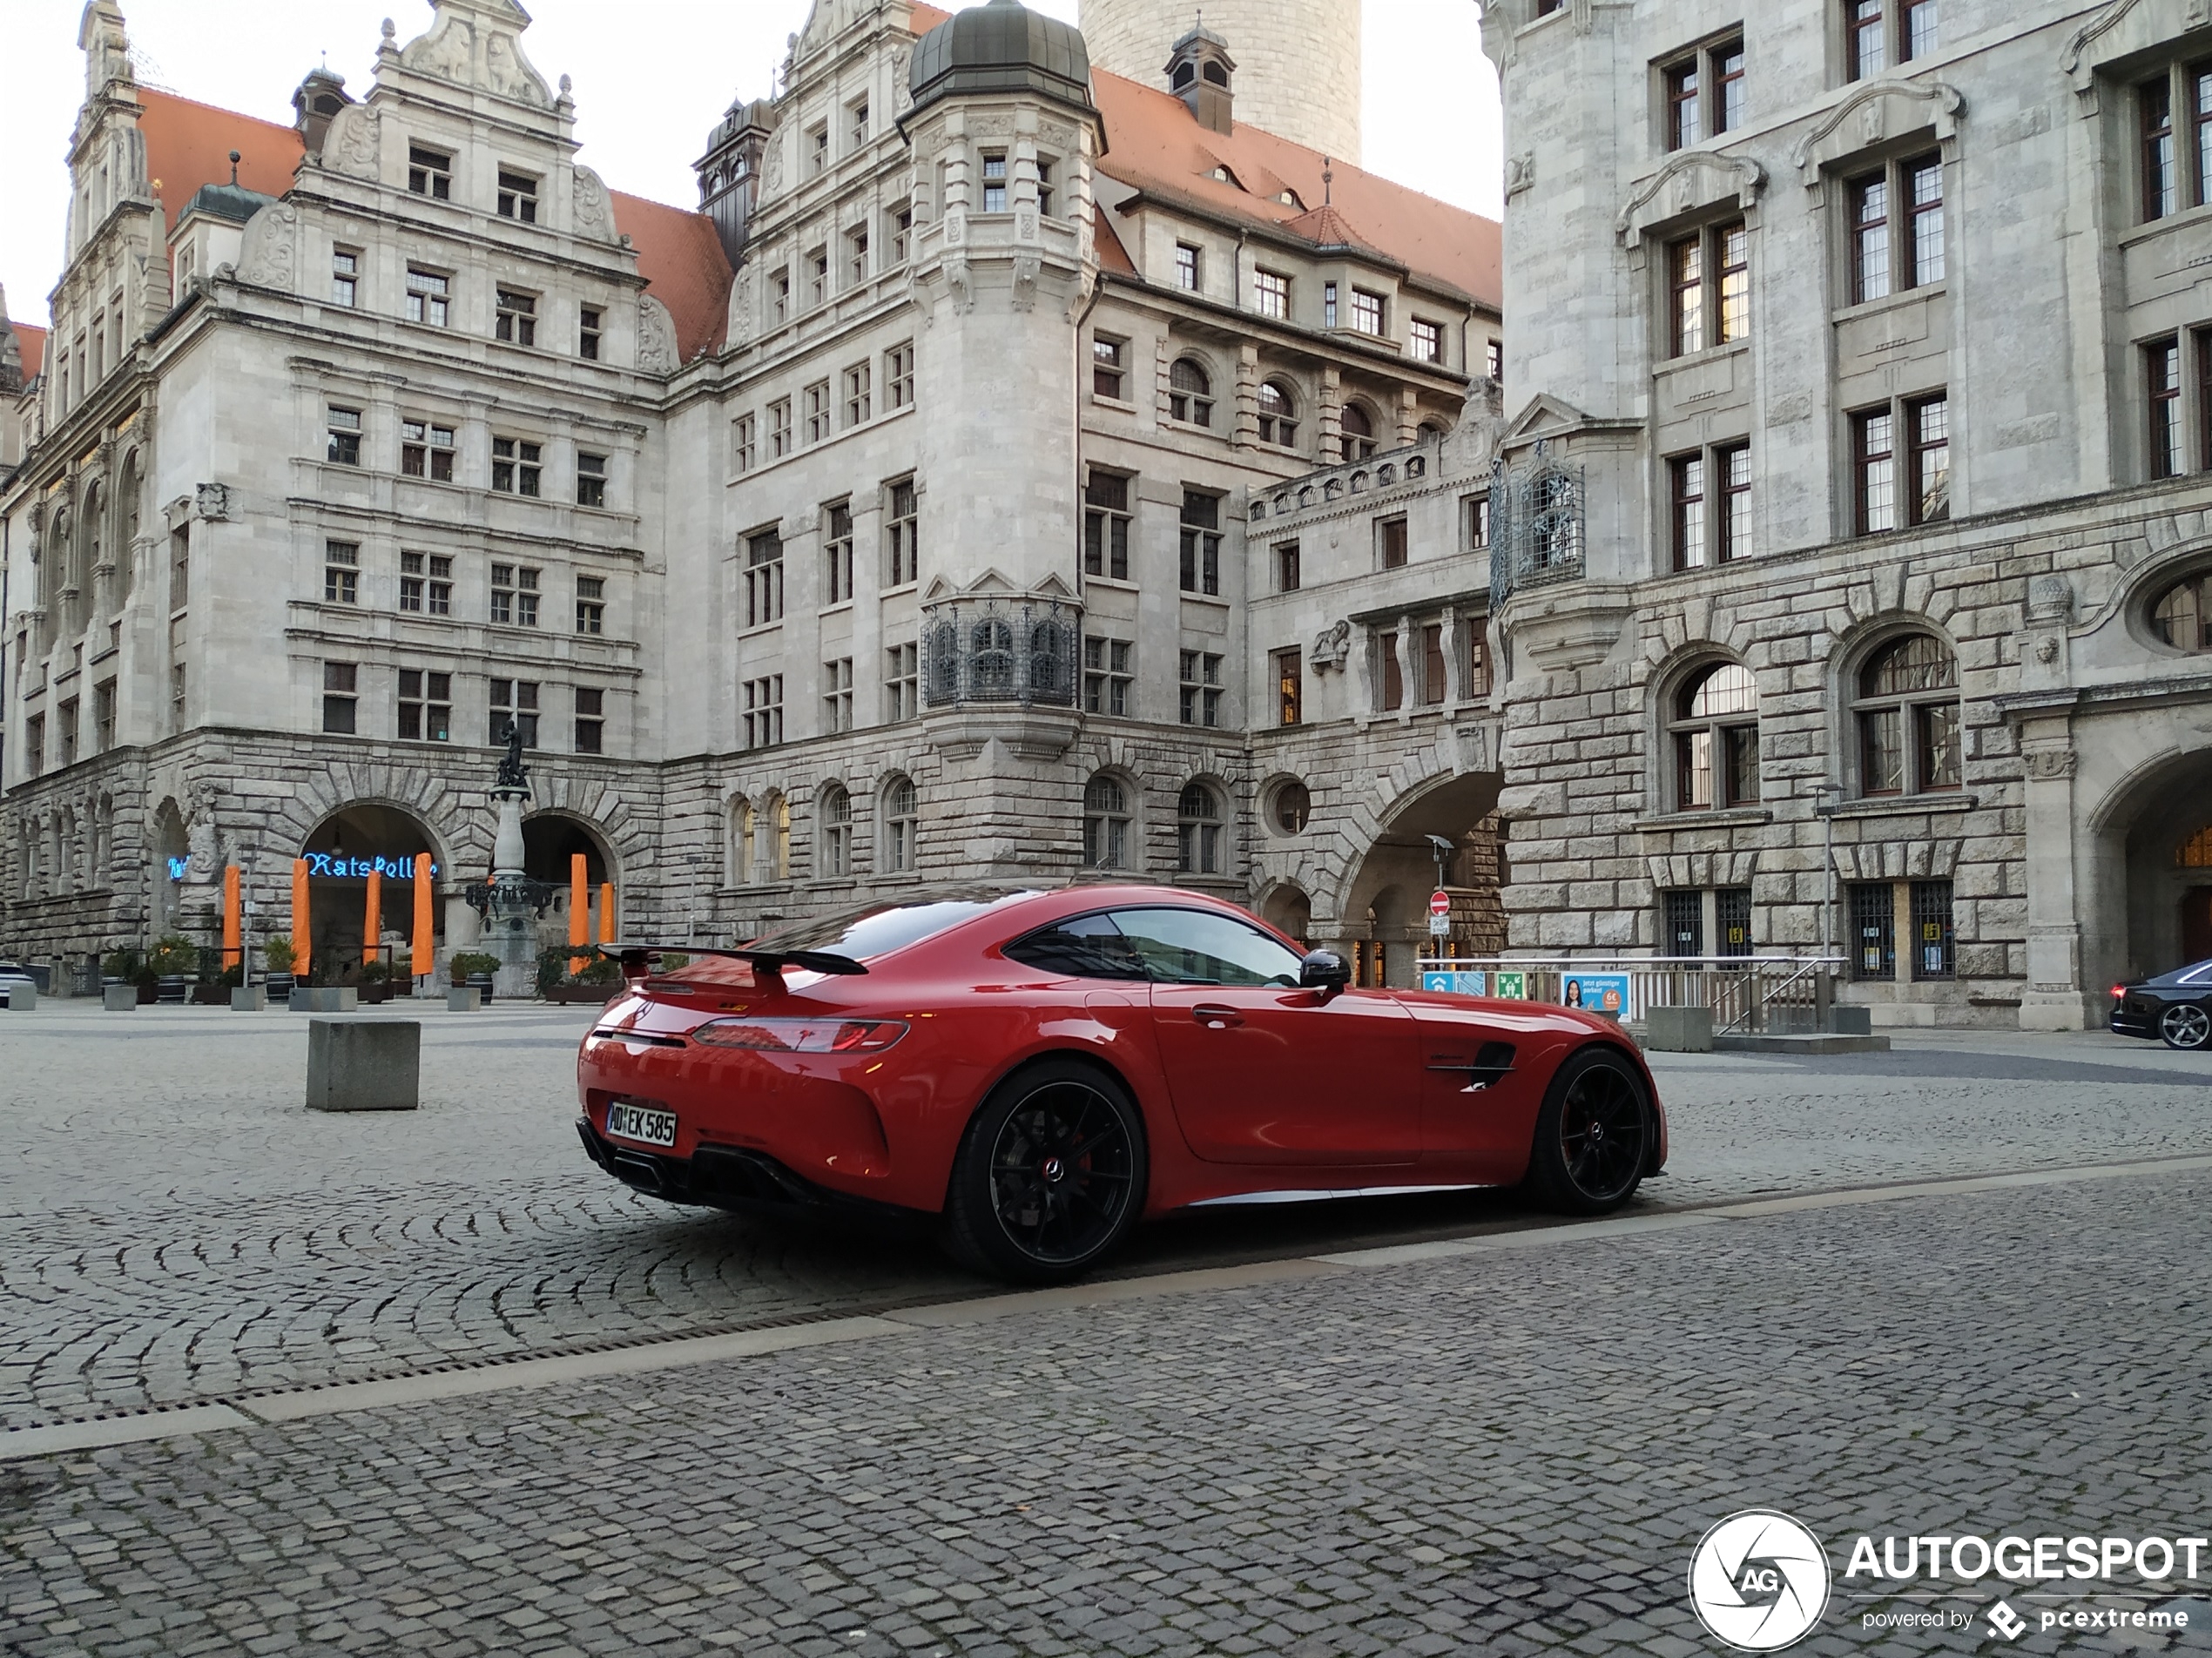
(426, 941)
(300, 930)
(372, 918)
(579, 909)
(233, 952)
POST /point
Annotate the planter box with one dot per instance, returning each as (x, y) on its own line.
(374, 991)
(324, 999)
(1678, 1030)
(594, 995)
(23, 999)
(279, 986)
(149, 993)
(210, 995)
(173, 990)
(120, 998)
(464, 999)
(249, 999)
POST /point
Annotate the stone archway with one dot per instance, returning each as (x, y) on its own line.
(2154, 844)
(1286, 908)
(550, 841)
(341, 851)
(171, 856)
(1384, 909)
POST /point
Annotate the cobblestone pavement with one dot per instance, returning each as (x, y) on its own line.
(174, 1226)
(1501, 1453)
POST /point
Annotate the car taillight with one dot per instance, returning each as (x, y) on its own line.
(803, 1036)
(2119, 992)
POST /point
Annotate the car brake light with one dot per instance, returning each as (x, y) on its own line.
(803, 1036)
(2119, 992)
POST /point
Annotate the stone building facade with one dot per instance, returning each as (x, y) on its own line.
(889, 518)
(1859, 461)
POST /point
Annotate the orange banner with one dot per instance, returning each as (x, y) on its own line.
(579, 908)
(372, 918)
(426, 933)
(232, 951)
(606, 911)
(300, 929)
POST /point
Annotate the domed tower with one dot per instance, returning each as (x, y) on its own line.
(1298, 60)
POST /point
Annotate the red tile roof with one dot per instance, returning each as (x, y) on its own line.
(925, 18)
(188, 144)
(31, 345)
(1112, 256)
(682, 260)
(1155, 144)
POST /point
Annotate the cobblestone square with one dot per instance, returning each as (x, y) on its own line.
(1955, 1288)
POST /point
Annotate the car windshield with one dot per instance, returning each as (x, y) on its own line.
(871, 930)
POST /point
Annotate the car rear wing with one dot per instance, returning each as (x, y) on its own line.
(636, 959)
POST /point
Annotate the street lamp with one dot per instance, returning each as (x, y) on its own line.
(1827, 798)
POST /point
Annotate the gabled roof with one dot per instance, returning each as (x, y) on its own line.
(682, 260)
(188, 144)
(1154, 145)
(1112, 256)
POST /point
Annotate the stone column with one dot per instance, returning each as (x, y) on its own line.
(2055, 997)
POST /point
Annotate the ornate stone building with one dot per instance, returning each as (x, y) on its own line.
(1859, 461)
(917, 508)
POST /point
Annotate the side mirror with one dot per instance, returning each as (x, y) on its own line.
(1324, 971)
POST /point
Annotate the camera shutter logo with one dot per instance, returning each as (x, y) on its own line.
(1760, 1580)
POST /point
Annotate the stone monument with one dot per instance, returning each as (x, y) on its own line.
(510, 902)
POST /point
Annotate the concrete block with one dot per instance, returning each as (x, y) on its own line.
(324, 999)
(464, 999)
(23, 999)
(117, 998)
(364, 1065)
(249, 999)
(1678, 1030)
(1851, 1022)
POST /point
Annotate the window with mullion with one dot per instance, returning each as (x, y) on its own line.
(1928, 432)
(1867, 38)
(1874, 467)
(2163, 381)
(1708, 289)
(1732, 471)
(1869, 215)
(1685, 117)
(1686, 283)
(2162, 180)
(1687, 473)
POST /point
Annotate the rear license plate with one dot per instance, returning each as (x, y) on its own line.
(641, 1123)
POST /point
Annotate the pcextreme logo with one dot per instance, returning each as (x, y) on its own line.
(1760, 1580)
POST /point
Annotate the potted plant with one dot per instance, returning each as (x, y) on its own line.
(377, 981)
(473, 969)
(173, 960)
(280, 955)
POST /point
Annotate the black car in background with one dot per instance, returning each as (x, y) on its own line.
(2174, 1007)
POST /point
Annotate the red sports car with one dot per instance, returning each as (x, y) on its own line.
(1043, 1069)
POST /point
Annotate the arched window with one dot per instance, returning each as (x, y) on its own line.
(1278, 413)
(1190, 393)
(901, 819)
(1716, 729)
(1431, 432)
(1106, 823)
(1907, 713)
(1359, 428)
(127, 552)
(1293, 807)
(772, 845)
(740, 841)
(2183, 617)
(1198, 828)
(837, 832)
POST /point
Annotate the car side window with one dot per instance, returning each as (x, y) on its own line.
(1197, 947)
(1090, 946)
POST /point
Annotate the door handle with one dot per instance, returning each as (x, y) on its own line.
(1217, 1017)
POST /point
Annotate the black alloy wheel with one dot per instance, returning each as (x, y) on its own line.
(2185, 1025)
(1050, 1175)
(1592, 1135)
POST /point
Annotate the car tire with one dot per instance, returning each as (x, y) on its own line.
(1593, 1135)
(1049, 1177)
(2185, 1025)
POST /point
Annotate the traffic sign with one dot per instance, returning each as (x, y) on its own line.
(1439, 902)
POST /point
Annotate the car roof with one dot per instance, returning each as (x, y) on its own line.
(2196, 974)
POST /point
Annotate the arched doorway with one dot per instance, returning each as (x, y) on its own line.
(171, 858)
(551, 843)
(341, 851)
(1287, 909)
(1389, 893)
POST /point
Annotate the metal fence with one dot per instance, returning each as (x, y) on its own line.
(1749, 994)
(996, 650)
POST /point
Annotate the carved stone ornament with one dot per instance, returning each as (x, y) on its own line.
(203, 836)
(2050, 765)
(1332, 648)
(2123, 28)
(656, 336)
(1691, 179)
(593, 213)
(1027, 266)
(2046, 650)
(355, 139)
(212, 502)
(772, 179)
(270, 257)
(1873, 111)
(475, 50)
(740, 325)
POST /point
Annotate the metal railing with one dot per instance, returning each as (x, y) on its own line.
(1536, 524)
(1749, 994)
(1000, 650)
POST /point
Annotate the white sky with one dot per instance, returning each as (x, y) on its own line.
(652, 78)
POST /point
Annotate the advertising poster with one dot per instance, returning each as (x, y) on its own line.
(1456, 983)
(1597, 992)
